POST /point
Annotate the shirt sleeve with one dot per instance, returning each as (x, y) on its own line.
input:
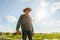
(18, 23)
(32, 26)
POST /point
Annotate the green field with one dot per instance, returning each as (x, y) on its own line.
(37, 36)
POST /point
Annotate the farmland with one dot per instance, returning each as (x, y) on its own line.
(37, 36)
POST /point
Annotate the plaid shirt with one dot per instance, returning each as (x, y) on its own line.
(25, 22)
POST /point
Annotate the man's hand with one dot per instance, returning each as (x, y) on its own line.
(32, 33)
(18, 32)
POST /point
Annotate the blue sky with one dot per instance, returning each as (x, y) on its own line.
(45, 14)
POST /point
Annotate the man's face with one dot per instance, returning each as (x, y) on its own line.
(27, 11)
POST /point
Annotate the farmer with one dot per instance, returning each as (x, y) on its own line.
(25, 22)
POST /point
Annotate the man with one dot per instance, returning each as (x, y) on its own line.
(26, 25)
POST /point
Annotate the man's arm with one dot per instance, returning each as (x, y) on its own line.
(32, 26)
(32, 29)
(18, 24)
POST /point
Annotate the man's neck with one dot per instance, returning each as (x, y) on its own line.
(27, 14)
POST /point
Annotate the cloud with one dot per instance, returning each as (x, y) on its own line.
(4, 28)
(52, 23)
(1, 26)
(41, 12)
(55, 6)
(11, 19)
(43, 3)
(9, 29)
(50, 26)
(57, 23)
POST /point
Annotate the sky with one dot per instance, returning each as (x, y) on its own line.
(45, 15)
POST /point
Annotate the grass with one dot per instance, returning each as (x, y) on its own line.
(37, 36)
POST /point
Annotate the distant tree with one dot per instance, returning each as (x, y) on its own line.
(0, 33)
(14, 34)
(7, 33)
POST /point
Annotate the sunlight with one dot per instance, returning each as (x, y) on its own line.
(42, 11)
(41, 14)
